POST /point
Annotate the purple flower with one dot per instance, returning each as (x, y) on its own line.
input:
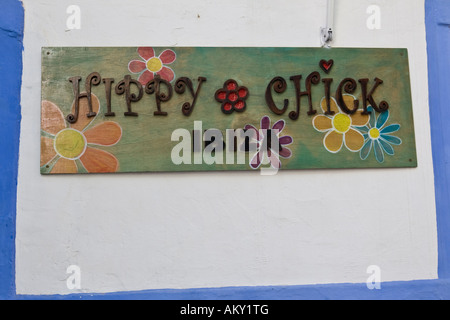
(270, 146)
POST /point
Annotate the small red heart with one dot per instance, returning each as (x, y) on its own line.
(326, 65)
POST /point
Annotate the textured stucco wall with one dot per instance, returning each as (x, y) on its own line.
(151, 231)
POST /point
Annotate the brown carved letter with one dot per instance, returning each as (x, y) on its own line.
(154, 86)
(313, 78)
(124, 87)
(108, 83)
(349, 85)
(93, 79)
(279, 85)
(369, 97)
(180, 87)
(327, 83)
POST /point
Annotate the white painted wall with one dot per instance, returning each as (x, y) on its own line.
(147, 231)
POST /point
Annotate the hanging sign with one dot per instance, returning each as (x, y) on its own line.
(203, 109)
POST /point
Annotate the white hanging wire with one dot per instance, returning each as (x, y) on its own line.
(326, 34)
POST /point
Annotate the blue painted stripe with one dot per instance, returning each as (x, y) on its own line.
(410, 290)
(437, 16)
(11, 35)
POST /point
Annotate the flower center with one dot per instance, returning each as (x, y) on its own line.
(70, 144)
(342, 122)
(374, 133)
(154, 64)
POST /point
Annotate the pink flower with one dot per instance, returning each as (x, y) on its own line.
(152, 64)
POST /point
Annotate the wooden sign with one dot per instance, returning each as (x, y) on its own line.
(202, 109)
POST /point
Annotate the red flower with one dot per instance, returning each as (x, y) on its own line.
(232, 97)
(151, 65)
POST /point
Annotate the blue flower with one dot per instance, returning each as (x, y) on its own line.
(378, 136)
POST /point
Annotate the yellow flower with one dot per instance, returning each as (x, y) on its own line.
(340, 128)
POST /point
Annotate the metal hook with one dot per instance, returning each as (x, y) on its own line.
(326, 34)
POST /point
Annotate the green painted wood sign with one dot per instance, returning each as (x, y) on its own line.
(206, 109)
